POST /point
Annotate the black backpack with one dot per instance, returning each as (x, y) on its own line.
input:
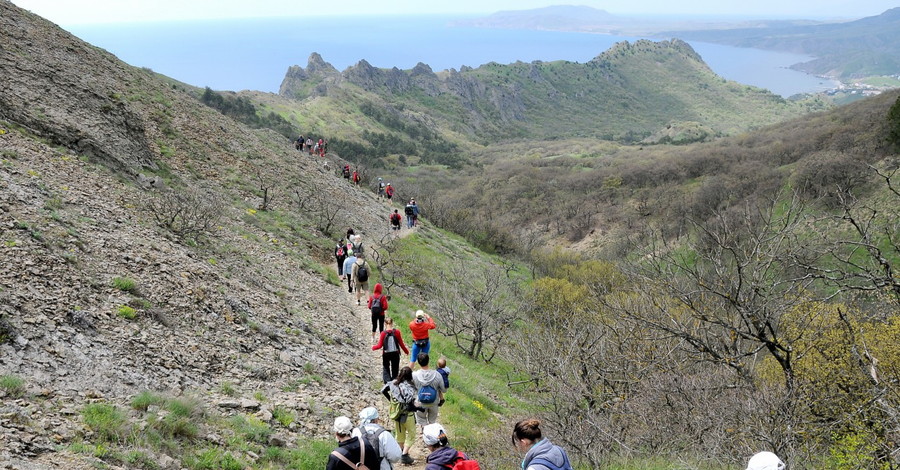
(372, 438)
(390, 342)
(362, 274)
(377, 307)
(408, 210)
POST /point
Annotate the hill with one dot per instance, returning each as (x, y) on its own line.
(626, 93)
(854, 49)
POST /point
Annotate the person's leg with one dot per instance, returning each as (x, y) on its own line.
(394, 364)
(386, 368)
(427, 348)
(415, 354)
(380, 320)
(349, 283)
(432, 413)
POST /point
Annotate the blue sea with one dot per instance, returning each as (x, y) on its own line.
(254, 54)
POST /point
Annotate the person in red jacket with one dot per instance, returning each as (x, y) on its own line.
(378, 304)
(392, 342)
(419, 328)
(389, 191)
(395, 220)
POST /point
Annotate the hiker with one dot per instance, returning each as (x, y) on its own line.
(356, 177)
(444, 371)
(408, 210)
(346, 172)
(361, 273)
(389, 191)
(357, 245)
(350, 233)
(442, 456)
(298, 144)
(350, 451)
(324, 147)
(415, 215)
(540, 453)
(429, 391)
(320, 147)
(390, 342)
(387, 447)
(401, 392)
(380, 187)
(765, 461)
(419, 328)
(340, 254)
(395, 219)
(378, 305)
(309, 145)
(348, 270)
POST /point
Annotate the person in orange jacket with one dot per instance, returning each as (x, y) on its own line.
(419, 328)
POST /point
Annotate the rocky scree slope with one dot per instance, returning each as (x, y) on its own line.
(85, 141)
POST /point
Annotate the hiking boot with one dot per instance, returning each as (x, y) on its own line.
(405, 459)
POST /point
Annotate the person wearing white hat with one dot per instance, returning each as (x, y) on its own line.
(442, 456)
(351, 452)
(419, 328)
(375, 434)
(765, 461)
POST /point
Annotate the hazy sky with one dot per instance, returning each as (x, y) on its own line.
(69, 12)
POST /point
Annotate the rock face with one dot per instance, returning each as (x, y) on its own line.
(245, 313)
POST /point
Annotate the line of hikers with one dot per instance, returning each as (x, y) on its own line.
(318, 147)
(412, 216)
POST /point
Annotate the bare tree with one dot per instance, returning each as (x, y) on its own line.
(188, 213)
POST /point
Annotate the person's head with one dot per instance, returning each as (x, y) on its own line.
(342, 427)
(442, 362)
(395, 211)
(360, 257)
(526, 433)
(422, 359)
(434, 436)
(765, 461)
(388, 322)
(378, 288)
(405, 375)
(420, 316)
(368, 415)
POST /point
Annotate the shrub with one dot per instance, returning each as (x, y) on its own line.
(251, 428)
(145, 399)
(213, 459)
(106, 420)
(189, 213)
(13, 385)
(125, 284)
(126, 312)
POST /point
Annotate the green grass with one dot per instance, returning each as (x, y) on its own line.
(126, 312)
(125, 284)
(108, 421)
(145, 399)
(14, 386)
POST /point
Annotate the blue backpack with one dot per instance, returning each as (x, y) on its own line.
(427, 394)
(546, 463)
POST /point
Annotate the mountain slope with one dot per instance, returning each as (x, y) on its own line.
(869, 46)
(626, 93)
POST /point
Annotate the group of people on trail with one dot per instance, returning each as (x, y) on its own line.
(385, 190)
(412, 216)
(351, 175)
(319, 147)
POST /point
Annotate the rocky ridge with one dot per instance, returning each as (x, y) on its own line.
(247, 312)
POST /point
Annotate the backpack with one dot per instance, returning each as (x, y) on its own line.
(408, 210)
(463, 462)
(362, 274)
(377, 308)
(372, 437)
(339, 252)
(362, 457)
(390, 342)
(427, 394)
(546, 463)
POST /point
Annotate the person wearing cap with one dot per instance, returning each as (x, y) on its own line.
(540, 453)
(388, 447)
(350, 451)
(421, 342)
(442, 456)
(765, 461)
(360, 285)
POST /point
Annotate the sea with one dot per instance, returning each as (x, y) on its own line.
(254, 54)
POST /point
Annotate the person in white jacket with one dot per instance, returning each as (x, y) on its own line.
(387, 446)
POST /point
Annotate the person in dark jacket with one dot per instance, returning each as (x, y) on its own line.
(540, 453)
(340, 254)
(442, 456)
(350, 449)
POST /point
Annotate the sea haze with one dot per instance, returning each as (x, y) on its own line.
(254, 54)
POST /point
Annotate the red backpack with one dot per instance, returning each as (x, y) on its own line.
(463, 462)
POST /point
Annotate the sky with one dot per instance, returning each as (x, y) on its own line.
(74, 12)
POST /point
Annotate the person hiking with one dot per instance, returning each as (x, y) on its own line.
(348, 271)
(309, 145)
(408, 210)
(378, 305)
(395, 219)
(419, 328)
(442, 456)
(361, 274)
(540, 453)
(298, 144)
(429, 391)
(351, 452)
(320, 147)
(356, 177)
(415, 214)
(389, 191)
(345, 172)
(358, 248)
(350, 233)
(444, 371)
(340, 254)
(380, 187)
(391, 343)
(401, 392)
(387, 447)
(324, 147)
